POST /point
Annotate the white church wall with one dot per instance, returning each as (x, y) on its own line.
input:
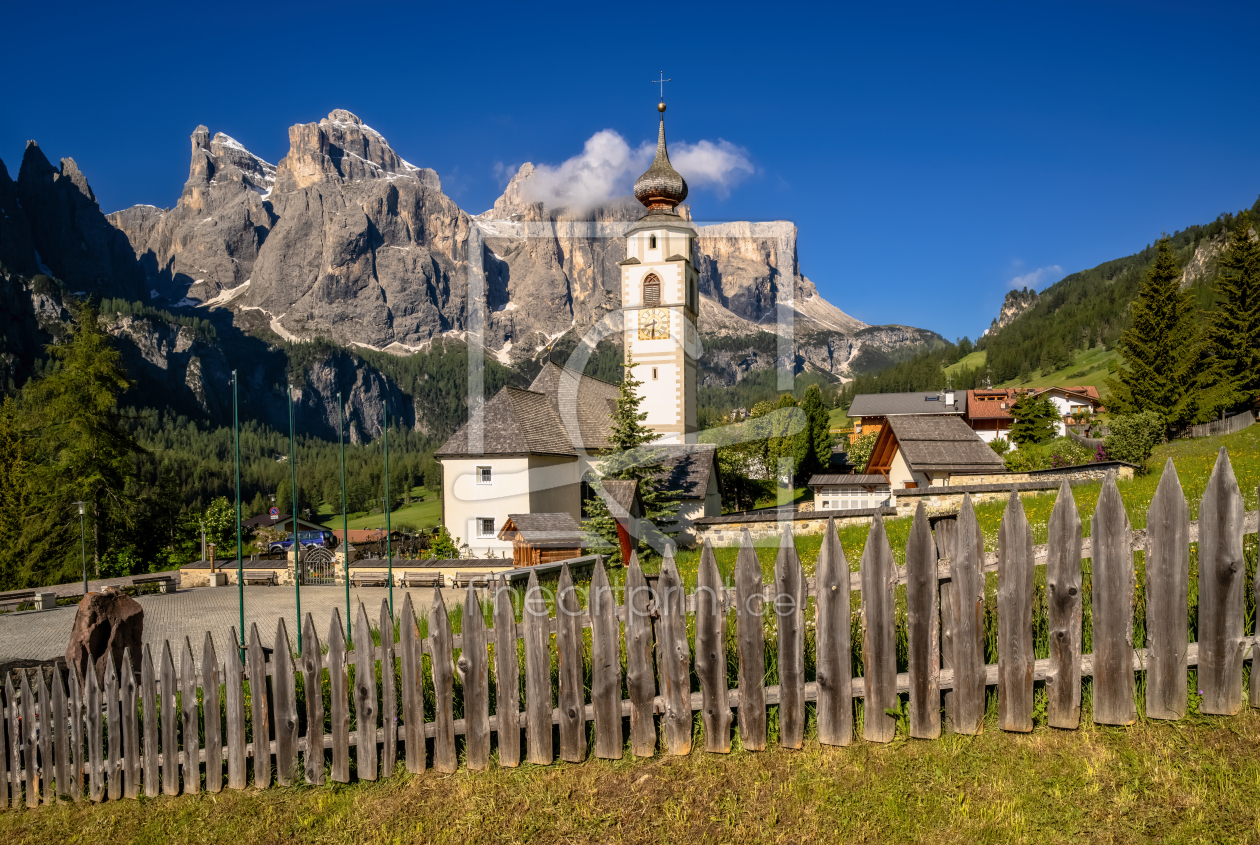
(515, 484)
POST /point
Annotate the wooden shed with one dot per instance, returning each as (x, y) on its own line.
(542, 537)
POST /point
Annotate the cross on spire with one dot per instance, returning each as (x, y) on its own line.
(662, 82)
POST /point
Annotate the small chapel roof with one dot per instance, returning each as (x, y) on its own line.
(514, 422)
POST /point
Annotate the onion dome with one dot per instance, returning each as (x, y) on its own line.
(661, 188)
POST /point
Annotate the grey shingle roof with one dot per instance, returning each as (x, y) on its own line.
(895, 404)
(515, 422)
(584, 404)
(544, 529)
(820, 480)
(624, 495)
(943, 443)
(687, 468)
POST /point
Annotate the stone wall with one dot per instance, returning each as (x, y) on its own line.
(766, 527)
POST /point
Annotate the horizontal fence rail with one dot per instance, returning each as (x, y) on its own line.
(656, 655)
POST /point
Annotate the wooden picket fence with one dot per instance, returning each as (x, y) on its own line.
(1229, 425)
(174, 729)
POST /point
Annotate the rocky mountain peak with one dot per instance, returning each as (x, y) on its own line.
(341, 147)
(1015, 303)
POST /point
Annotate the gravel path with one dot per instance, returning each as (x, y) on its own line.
(43, 634)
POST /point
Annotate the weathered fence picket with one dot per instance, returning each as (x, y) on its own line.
(475, 665)
(113, 743)
(833, 631)
(256, 667)
(569, 650)
(605, 665)
(789, 611)
(1222, 573)
(1113, 576)
(130, 725)
(751, 647)
(1015, 610)
(675, 671)
(444, 759)
(879, 643)
(710, 655)
(640, 677)
(14, 720)
(115, 737)
(45, 736)
(339, 700)
(148, 695)
(312, 680)
(507, 673)
(364, 697)
(1064, 609)
(1167, 590)
(210, 684)
(412, 693)
(95, 738)
(389, 693)
(922, 629)
(967, 621)
(62, 752)
(189, 723)
(234, 701)
(30, 740)
(537, 674)
(284, 692)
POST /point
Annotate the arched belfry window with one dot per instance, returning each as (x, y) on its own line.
(652, 290)
(651, 241)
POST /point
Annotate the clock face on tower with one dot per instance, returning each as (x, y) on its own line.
(653, 324)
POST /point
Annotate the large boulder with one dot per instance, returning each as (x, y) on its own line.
(105, 623)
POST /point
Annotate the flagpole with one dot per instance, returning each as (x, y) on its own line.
(240, 566)
(297, 543)
(345, 524)
(389, 553)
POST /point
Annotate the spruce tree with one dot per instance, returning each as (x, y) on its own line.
(1233, 333)
(1161, 348)
(632, 458)
(819, 432)
(1036, 419)
(86, 451)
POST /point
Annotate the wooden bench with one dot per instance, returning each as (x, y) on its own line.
(17, 596)
(266, 579)
(477, 579)
(369, 578)
(165, 582)
(422, 579)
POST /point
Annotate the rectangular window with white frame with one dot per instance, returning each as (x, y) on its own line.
(484, 475)
(485, 528)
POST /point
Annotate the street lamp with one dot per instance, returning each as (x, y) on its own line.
(83, 542)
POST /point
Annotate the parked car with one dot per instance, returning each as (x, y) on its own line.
(308, 539)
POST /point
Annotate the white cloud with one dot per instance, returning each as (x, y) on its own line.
(1036, 278)
(607, 167)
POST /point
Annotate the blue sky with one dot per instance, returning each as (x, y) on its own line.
(930, 155)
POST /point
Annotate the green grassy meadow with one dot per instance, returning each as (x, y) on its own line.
(1089, 368)
(1187, 781)
(419, 515)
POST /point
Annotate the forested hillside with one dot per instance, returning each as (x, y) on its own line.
(1090, 308)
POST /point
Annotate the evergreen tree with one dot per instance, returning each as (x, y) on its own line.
(1233, 334)
(632, 459)
(87, 452)
(1161, 348)
(1036, 419)
(819, 431)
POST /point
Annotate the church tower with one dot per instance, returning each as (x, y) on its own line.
(660, 299)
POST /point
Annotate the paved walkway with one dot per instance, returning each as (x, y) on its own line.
(43, 634)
